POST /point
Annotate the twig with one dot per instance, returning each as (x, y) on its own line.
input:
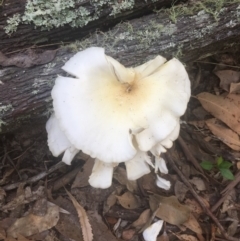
(14, 166)
(226, 65)
(232, 184)
(226, 191)
(189, 155)
(37, 46)
(35, 178)
(22, 154)
(197, 78)
(205, 208)
(64, 180)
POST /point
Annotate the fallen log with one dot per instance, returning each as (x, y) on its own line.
(63, 21)
(25, 92)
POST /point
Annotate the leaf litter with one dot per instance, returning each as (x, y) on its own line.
(134, 206)
(83, 218)
(224, 108)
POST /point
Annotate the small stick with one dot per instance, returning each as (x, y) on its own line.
(203, 205)
(189, 155)
(64, 180)
(226, 191)
(35, 178)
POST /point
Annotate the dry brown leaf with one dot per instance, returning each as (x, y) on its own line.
(148, 183)
(81, 180)
(143, 218)
(40, 207)
(69, 227)
(2, 233)
(163, 237)
(234, 88)
(169, 209)
(21, 238)
(180, 190)
(132, 186)
(227, 77)
(10, 239)
(193, 224)
(225, 134)
(27, 59)
(234, 98)
(32, 224)
(129, 201)
(194, 206)
(186, 237)
(199, 183)
(223, 108)
(128, 234)
(100, 231)
(24, 196)
(111, 200)
(83, 218)
(232, 228)
(120, 175)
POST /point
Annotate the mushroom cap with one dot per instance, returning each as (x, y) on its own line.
(138, 166)
(58, 142)
(101, 109)
(167, 142)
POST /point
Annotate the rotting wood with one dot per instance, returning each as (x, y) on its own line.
(25, 92)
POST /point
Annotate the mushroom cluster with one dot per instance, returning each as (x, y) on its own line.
(117, 114)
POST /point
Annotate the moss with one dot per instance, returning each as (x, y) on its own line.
(48, 112)
(12, 24)
(34, 92)
(179, 52)
(79, 45)
(53, 14)
(211, 7)
(121, 6)
(5, 108)
(114, 40)
(48, 67)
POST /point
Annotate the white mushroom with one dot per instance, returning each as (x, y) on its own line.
(58, 142)
(161, 165)
(151, 233)
(138, 166)
(101, 176)
(116, 114)
(163, 183)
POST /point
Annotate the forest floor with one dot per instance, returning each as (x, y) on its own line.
(204, 171)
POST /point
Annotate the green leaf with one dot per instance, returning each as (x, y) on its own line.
(227, 173)
(219, 161)
(225, 165)
(207, 165)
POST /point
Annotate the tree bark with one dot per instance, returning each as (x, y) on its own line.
(103, 16)
(25, 92)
